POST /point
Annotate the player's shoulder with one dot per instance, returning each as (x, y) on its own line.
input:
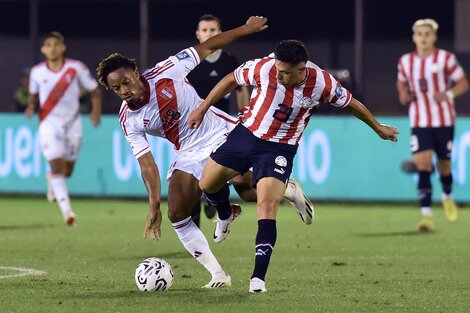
(38, 67)
(75, 63)
(406, 56)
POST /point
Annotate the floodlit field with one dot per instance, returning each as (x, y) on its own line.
(353, 258)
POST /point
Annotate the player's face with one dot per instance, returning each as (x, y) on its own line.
(206, 30)
(288, 74)
(53, 49)
(126, 85)
(424, 37)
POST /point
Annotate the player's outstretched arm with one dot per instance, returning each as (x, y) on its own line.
(253, 25)
(223, 87)
(385, 132)
(151, 177)
(95, 114)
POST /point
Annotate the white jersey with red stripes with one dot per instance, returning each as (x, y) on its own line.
(59, 90)
(280, 113)
(169, 99)
(426, 76)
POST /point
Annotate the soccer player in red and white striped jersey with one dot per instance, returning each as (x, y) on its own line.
(287, 90)
(429, 79)
(158, 103)
(55, 84)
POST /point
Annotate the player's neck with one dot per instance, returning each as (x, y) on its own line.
(422, 53)
(55, 64)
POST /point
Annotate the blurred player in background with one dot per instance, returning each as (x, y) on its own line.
(155, 104)
(429, 79)
(55, 85)
(287, 90)
(21, 94)
(203, 78)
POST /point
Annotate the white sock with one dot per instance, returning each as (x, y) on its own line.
(289, 194)
(61, 193)
(194, 241)
(426, 211)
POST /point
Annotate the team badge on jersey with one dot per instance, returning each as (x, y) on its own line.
(281, 161)
(307, 102)
(182, 55)
(166, 93)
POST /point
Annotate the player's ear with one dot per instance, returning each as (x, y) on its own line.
(64, 48)
(43, 50)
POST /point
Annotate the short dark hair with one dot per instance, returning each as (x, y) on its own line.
(112, 63)
(291, 51)
(208, 18)
(55, 35)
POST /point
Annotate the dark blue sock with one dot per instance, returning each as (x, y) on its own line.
(220, 200)
(424, 188)
(265, 241)
(446, 182)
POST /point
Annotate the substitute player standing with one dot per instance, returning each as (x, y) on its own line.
(287, 90)
(55, 84)
(429, 79)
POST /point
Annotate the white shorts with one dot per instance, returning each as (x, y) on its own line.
(60, 141)
(193, 161)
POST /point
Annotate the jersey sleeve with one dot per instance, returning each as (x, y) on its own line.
(401, 76)
(33, 83)
(183, 63)
(333, 93)
(134, 136)
(85, 78)
(244, 74)
(453, 69)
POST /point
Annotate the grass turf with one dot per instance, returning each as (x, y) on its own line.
(353, 258)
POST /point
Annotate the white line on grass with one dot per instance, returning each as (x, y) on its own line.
(21, 272)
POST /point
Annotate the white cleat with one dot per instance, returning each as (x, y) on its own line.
(219, 281)
(257, 285)
(222, 227)
(300, 202)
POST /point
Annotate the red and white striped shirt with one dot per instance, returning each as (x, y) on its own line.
(425, 77)
(169, 99)
(280, 113)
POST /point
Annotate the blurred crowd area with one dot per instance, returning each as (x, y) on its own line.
(94, 29)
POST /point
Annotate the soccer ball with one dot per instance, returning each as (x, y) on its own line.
(154, 274)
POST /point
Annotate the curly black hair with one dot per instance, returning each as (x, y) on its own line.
(112, 63)
(291, 51)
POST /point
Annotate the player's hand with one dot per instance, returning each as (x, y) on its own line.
(29, 111)
(441, 96)
(388, 132)
(95, 118)
(195, 118)
(405, 98)
(257, 23)
(152, 227)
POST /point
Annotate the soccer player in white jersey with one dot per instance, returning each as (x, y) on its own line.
(55, 84)
(287, 90)
(158, 103)
(429, 79)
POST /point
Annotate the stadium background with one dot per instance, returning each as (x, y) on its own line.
(332, 31)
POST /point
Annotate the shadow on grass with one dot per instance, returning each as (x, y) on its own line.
(398, 233)
(23, 227)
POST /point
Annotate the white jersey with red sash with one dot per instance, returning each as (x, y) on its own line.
(169, 99)
(59, 90)
(280, 113)
(425, 77)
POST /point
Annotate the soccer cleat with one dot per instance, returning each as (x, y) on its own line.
(300, 202)
(219, 280)
(450, 208)
(70, 219)
(222, 227)
(257, 285)
(426, 224)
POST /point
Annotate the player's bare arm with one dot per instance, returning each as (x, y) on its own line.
(223, 87)
(459, 89)
(404, 95)
(385, 132)
(33, 100)
(254, 24)
(151, 177)
(95, 114)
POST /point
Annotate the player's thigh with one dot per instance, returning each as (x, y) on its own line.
(243, 186)
(183, 193)
(422, 147)
(51, 140)
(215, 176)
(443, 142)
(58, 166)
(270, 191)
(73, 139)
(69, 167)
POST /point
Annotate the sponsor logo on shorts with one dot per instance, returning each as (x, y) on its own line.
(280, 170)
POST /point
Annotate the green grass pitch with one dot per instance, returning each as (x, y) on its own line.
(353, 258)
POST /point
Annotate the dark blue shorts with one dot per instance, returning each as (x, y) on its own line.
(243, 150)
(439, 139)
